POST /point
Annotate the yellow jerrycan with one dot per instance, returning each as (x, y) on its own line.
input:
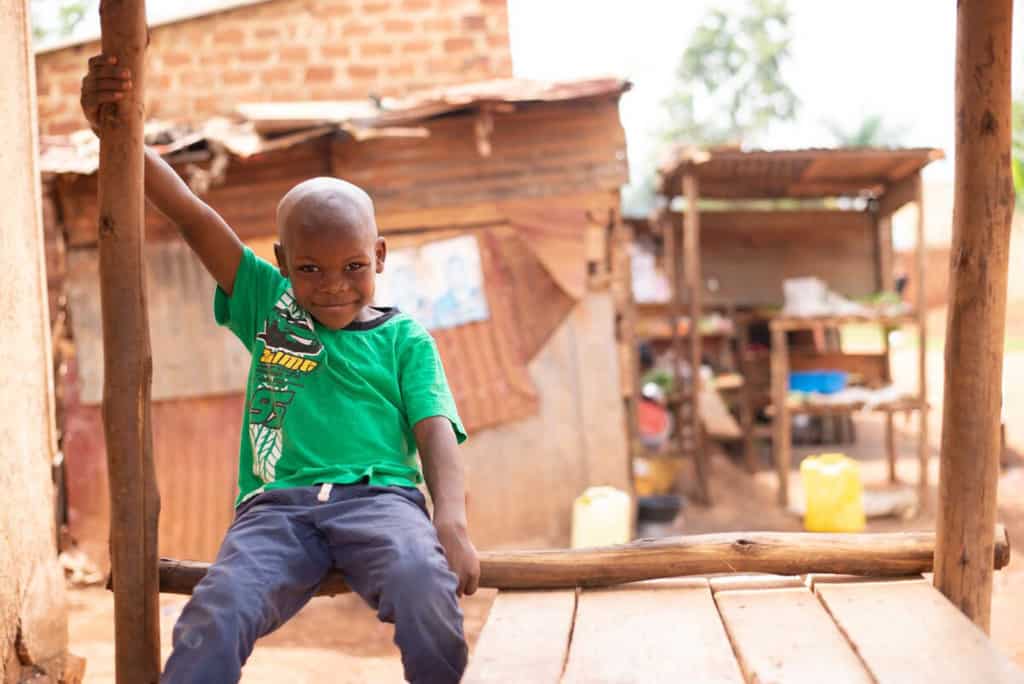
(833, 494)
(601, 517)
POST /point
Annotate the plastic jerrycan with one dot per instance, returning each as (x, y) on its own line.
(601, 517)
(833, 492)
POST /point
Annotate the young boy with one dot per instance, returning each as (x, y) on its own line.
(340, 397)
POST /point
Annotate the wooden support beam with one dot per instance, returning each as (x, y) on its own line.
(921, 310)
(897, 195)
(975, 329)
(781, 420)
(694, 289)
(128, 366)
(782, 553)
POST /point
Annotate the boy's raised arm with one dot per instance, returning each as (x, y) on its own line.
(213, 240)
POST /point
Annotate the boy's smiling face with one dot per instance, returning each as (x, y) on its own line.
(330, 250)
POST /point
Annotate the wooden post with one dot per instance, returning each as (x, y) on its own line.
(134, 501)
(923, 447)
(780, 419)
(694, 287)
(983, 209)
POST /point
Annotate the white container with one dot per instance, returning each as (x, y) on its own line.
(601, 517)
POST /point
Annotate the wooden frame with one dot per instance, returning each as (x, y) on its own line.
(965, 546)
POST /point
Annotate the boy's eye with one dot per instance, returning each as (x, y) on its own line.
(355, 267)
(309, 268)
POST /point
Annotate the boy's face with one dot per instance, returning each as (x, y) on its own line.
(332, 257)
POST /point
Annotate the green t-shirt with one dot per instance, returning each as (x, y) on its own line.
(328, 405)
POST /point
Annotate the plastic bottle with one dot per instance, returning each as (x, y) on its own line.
(601, 517)
(833, 494)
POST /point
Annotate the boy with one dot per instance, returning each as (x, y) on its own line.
(341, 394)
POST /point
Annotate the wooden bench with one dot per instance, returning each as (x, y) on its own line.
(737, 628)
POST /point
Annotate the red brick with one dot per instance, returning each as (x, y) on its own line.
(439, 25)
(416, 5)
(458, 44)
(197, 79)
(237, 77)
(319, 74)
(293, 53)
(356, 28)
(71, 87)
(376, 49)
(401, 71)
(361, 71)
(416, 47)
(267, 33)
(393, 26)
(474, 22)
(159, 82)
(254, 56)
(277, 74)
(176, 59)
(229, 36)
(378, 7)
(336, 51)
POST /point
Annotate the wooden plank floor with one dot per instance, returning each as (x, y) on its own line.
(736, 629)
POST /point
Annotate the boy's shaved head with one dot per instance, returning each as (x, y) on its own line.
(330, 250)
(326, 203)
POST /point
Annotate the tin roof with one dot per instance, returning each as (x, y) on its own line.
(267, 126)
(732, 173)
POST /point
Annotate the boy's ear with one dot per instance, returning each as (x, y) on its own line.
(381, 250)
(282, 263)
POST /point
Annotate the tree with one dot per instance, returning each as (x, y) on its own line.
(871, 132)
(1017, 159)
(730, 84)
(59, 19)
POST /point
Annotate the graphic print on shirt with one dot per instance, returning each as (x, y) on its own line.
(291, 351)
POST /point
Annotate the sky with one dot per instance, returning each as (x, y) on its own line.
(893, 58)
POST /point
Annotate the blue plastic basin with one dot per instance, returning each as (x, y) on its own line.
(819, 381)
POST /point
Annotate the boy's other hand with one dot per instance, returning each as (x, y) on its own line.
(104, 83)
(461, 554)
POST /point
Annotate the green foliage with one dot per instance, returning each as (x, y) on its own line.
(730, 84)
(1017, 159)
(871, 132)
(47, 22)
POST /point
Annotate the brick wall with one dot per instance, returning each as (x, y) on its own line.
(295, 50)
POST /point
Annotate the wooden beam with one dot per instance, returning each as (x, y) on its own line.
(921, 310)
(781, 436)
(694, 289)
(897, 195)
(783, 553)
(128, 366)
(975, 329)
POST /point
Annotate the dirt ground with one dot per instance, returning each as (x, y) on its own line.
(339, 639)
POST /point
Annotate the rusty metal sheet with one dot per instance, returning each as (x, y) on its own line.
(734, 173)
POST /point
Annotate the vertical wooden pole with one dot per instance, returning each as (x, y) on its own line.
(134, 501)
(750, 454)
(780, 421)
(694, 287)
(982, 211)
(923, 447)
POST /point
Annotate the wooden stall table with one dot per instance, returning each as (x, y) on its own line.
(737, 628)
(782, 410)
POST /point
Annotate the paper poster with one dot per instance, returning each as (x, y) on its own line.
(439, 284)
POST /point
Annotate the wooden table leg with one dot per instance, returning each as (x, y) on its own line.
(890, 446)
(780, 421)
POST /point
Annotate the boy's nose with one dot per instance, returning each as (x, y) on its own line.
(335, 282)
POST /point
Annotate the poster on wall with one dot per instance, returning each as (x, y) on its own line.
(440, 284)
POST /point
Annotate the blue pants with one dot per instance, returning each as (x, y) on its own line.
(278, 550)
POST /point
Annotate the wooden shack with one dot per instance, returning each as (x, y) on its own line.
(738, 224)
(529, 171)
